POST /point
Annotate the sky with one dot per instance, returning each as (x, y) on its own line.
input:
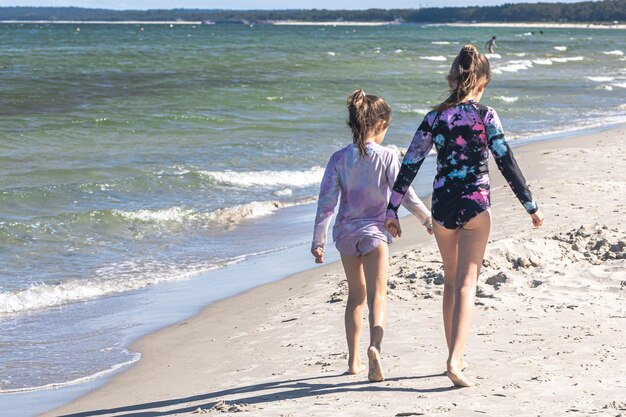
(261, 4)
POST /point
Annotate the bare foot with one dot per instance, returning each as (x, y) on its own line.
(464, 365)
(375, 373)
(458, 379)
(357, 368)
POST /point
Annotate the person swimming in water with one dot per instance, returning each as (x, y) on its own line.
(463, 132)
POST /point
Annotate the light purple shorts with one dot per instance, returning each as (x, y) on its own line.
(357, 245)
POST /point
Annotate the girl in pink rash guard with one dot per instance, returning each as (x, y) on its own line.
(360, 176)
(463, 132)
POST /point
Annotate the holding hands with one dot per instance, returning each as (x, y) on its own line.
(393, 227)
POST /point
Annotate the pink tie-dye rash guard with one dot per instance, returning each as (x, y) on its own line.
(463, 135)
(362, 185)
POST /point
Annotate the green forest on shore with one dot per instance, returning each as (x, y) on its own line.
(607, 11)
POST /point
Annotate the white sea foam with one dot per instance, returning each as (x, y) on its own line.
(398, 51)
(506, 99)
(601, 79)
(331, 53)
(605, 87)
(513, 66)
(274, 98)
(440, 43)
(111, 279)
(615, 52)
(561, 48)
(269, 179)
(568, 59)
(135, 356)
(39, 296)
(234, 215)
(619, 85)
(178, 217)
(542, 61)
(434, 58)
(518, 53)
(283, 193)
(493, 56)
(408, 109)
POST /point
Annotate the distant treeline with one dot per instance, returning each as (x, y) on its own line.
(588, 11)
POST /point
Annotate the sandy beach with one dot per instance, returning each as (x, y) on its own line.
(545, 25)
(547, 339)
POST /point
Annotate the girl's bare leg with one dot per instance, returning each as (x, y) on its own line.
(353, 267)
(472, 240)
(376, 265)
(448, 243)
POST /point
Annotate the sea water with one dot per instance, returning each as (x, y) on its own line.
(140, 164)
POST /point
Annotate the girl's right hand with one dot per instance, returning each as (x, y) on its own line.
(393, 227)
(537, 218)
(319, 255)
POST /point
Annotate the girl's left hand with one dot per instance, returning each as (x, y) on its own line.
(319, 255)
(537, 218)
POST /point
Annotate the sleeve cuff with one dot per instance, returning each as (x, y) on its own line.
(391, 214)
(531, 207)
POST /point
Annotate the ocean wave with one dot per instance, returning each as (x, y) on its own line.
(561, 48)
(619, 85)
(40, 296)
(506, 99)
(434, 58)
(270, 179)
(568, 59)
(601, 79)
(615, 52)
(112, 279)
(493, 56)
(520, 54)
(408, 109)
(542, 61)
(440, 43)
(135, 356)
(178, 217)
(513, 66)
(283, 193)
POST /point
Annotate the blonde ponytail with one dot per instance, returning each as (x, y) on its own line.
(468, 70)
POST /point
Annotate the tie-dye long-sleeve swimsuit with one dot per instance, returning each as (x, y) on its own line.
(462, 136)
(364, 183)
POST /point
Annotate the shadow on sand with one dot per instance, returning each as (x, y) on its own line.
(254, 394)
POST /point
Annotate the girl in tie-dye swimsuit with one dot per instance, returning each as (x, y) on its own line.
(362, 173)
(463, 136)
(463, 132)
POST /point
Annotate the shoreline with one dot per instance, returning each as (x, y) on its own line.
(546, 25)
(279, 291)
